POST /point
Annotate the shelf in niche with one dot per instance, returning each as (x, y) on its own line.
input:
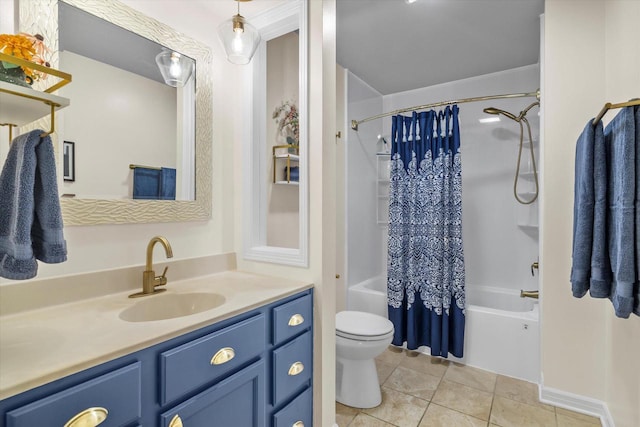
(287, 183)
(290, 156)
(383, 154)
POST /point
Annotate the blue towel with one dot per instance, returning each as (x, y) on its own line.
(154, 184)
(600, 283)
(146, 183)
(167, 184)
(620, 140)
(30, 217)
(636, 305)
(583, 209)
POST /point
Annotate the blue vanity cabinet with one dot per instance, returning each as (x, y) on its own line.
(113, 397)
(251, 370)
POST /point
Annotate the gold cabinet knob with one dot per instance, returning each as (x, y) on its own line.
(176, 421)
(296, 368)
(298, 424)
(296, 320)
(223, 356)
(90, 417)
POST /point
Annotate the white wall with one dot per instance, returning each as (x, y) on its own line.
(106, 121)
(498, 250)
(364, 236)
(591, 57)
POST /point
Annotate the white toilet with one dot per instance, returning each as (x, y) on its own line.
(360, 337)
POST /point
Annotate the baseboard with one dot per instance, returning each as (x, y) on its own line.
(577, 403)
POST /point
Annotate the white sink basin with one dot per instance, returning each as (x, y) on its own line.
(169, 306)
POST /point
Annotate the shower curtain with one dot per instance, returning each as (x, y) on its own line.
(426, 276)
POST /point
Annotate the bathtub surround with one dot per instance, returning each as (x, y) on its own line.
(30, 218)
(502, 332)
(426, 275)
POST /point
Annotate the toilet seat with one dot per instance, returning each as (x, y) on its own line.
(358, 325)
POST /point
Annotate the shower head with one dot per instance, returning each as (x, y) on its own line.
(497, 111)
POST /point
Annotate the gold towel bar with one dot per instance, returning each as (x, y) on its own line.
(132, 166)
(609, 106)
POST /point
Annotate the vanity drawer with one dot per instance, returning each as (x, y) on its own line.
(118, 393)
(201, 361)
(298, 413)
(291, 318)
(292, 366)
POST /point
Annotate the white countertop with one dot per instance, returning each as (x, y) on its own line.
(42, 345)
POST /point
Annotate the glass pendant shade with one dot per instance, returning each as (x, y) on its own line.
(176, 69)
(239, 38)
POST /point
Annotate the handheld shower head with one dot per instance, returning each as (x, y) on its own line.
(497, 111)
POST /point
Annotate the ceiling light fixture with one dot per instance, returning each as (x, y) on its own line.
(176, 69)
(410, 1)
(239, 38)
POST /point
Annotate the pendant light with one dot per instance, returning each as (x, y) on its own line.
(175, 68)
(239, 38)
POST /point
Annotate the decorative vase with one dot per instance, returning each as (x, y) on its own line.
(14, 74)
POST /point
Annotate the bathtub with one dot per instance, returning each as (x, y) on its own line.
(502, 329)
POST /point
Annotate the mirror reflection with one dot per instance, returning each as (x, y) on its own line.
(283, 141)
(132, 129)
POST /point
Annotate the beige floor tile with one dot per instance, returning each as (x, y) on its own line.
(509, 413)
(582, 417)
(435, 366)
(398, 408)
(567, 421)
(462, 398)
(520, 391)
(345, 414)
(412, 382)
(391, 357)
(439, 416)
(384, 370)
(364, 420)
(472, 377)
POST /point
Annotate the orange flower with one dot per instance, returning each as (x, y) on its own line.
(28, 47)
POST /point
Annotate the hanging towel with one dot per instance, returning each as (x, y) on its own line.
(583, 209)
(167, 184)
(146, 183)
(30, 217)
(600, 283)
(620, 140)
(636, 304)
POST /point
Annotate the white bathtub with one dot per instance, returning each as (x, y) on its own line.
(501, 329)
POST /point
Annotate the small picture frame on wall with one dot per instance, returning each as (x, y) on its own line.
(69, 160)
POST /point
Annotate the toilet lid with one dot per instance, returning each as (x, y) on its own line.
(351, 324)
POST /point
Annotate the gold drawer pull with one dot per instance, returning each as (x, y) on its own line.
(90, 417)
(298, 424)
(296, 320)
(296, 368)
(176, 422)
(223, 356)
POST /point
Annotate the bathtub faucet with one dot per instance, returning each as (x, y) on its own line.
(528, 294)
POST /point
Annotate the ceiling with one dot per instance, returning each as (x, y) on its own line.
(394, 46)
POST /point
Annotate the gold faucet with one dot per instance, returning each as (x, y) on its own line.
(150, 281)
(528, 294)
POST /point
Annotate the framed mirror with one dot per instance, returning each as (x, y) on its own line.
(102, 190)
(276, 182)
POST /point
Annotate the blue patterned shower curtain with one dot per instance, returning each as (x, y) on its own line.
(426, 274)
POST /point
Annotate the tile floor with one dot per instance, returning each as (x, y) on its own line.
(422, 391)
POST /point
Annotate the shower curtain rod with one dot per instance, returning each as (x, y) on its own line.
(355, 123)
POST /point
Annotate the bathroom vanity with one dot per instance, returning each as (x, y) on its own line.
(248, 366)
